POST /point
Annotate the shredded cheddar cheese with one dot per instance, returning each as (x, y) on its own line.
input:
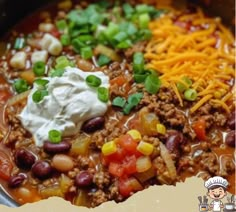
(203, 51)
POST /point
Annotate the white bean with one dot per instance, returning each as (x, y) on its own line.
(18, 61)
(62, 163)
(39, 56)
(51, 44)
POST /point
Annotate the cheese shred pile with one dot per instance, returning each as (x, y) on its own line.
(203, 51)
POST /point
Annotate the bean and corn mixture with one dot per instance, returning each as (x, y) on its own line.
(169, 102)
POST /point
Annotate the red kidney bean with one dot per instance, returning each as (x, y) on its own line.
(42, 170)
(231, 121)
(173, 142)
(93, 124)
(84, 179)
(16, 181)
(51, 148)
(230, 138)
(24, 159)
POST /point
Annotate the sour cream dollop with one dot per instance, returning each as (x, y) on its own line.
(70, 102)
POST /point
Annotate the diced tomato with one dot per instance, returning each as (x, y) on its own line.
(199, 128)
(55, 33)
(120, 80)
(128, 143)
(129, 164)
(117, 156)
(124, 187)
(5, 166)
(116, 169)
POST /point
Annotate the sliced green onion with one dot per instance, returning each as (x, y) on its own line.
(65, 40)
(120, 36)
(182, 87)
(190, 94)
(54, 136)
(39, 68)
(129, 28)
(56, 73)
(124, 44)
(62, 62)
(39, 95)
(128, 10)
(112, 30)
(86, 39)
(144, 20)
(127, 108)
(93, 81)
(144, 34)
(135, 98)
(86, 52)
(19, 43)
(103, 60)
(103, 94)
(77, 45)
(138, 62)
(119, 102)
(61, 24)
(133, 101)
(152, 84)
(139, 78)
(20, 85)
(142, 8)
(41, 82)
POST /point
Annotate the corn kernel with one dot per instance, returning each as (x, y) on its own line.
(135, 134)
(161, 129)
(145, 148)
(109, 148)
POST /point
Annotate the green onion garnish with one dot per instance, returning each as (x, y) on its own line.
(54, 136)
(135, 98)
(182, 87)
(93, 81)
(41, 82)
(39, 68)
(65, 40)
(20, 85)
(86, 52)
(138, 62)
(128, 10)
(56, 73)
(19, 43)
(119, 102)
(103, 94)
(124, 44)
(103, 60)
(152, 84)
(144, 20)
(190, 94)
(139, 78)
(39, 95)
(133, 101)
(61, 24)
(127, 108)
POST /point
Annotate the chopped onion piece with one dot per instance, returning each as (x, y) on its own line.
(168, 161)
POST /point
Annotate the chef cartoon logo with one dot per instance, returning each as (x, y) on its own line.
(216, 191)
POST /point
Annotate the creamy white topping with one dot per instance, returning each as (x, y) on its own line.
(69, 104)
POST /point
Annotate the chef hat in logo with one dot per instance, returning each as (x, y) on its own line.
(216, 181)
